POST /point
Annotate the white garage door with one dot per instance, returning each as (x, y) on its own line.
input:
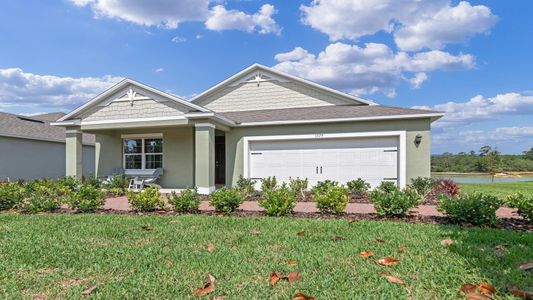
(341, 159)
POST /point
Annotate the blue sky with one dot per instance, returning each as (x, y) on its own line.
(471, 59)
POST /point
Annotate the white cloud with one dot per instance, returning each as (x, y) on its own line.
(178, 39)
(368, 69)
(418, 79)
(222, 19)
(23, 89)
(159, 70)
(415, 24)
(480, 108)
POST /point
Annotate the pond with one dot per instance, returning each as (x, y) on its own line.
(482, 178)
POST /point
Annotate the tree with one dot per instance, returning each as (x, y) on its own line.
(492, 160)
(528, 154)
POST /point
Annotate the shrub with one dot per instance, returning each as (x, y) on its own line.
(87, 198)
(332, 198)
(322, 186)
(394, 202)
(148, 199)
(43, 195)
(523, 203)
(226, 200)
(186, 201)
(387, 187)
(279, 202)
(269, 183)
(298, 186)
(443, 187)
(245, 186)
(117, 185)
(476, 208)
(358, 187)
(92, 180)
(422, 185)
(67, 182)
(11, 195)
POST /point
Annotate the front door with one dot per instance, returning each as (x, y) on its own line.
(220, 160)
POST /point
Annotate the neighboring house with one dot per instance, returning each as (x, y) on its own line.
(258, 123)
(31, 148)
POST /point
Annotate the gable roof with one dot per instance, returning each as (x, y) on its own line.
(36, 128)
(327, 114)
(122, 84)
(254, 67)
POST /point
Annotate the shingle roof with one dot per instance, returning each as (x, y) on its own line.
(321, 113)
(36, 127)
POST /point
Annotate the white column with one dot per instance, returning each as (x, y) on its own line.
(204, 157)
(74, 153)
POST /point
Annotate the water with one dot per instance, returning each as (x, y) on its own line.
(483, 179)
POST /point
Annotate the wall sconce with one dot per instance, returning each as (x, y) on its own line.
(418, 140)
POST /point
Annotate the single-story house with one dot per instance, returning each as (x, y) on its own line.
(31, 148)
(259, 122)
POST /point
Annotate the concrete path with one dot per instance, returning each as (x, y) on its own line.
(121, 203)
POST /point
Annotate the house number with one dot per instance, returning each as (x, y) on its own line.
(319, 135)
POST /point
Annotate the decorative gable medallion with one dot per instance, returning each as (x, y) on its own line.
(258, 78)
(130, 96)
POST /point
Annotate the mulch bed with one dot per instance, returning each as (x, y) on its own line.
(353, 199)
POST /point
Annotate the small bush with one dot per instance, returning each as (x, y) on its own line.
(279, 202)
(387, 187)
(117, 185)
(269, 183)
(92, 180)
(87, 198)
(422, 185)
(395, 202)
(245, 186)
(358, 187)
(187, 201)
(226, 200)
(43, 195)
(523, 204)
(331, 198)
(148, 199)
(11, 195)
(322, 186)
(67, 182)
(298, 187)
(443, 187)
(476, 208)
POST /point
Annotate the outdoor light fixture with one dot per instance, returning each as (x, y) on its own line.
(418, 140)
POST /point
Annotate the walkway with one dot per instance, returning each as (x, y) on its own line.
(121, 203)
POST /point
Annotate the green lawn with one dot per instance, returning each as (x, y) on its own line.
(501, 189)
(163, 257)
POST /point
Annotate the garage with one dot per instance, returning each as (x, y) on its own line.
(318, 158)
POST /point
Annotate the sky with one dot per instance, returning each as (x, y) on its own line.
(469, 59)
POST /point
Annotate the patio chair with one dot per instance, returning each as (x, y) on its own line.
(116, 172)
(142, 178)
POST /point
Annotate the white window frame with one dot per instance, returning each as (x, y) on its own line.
(142, 137)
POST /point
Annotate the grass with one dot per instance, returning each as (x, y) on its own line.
(59, 256)
(500, 189)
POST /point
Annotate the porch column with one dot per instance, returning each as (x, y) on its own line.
(204, 157)
(73, 153)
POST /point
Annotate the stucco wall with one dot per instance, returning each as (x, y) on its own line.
(178, 154)
(417, 159)
(30, 159)
(268, 95)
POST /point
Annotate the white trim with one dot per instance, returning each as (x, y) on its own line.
(123, 84)
(278, 73)
(206, 190)
(142, 154)
(402, 146)
(76, 122)
(204, 125)
(133, 120)
(210, 115)
(141, 135)
(73, 131)
(390, 117)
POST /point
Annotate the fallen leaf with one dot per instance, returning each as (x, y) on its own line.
(210, 248)
(338, 238)
(446, 242)
(219, 298)
(476, 296)
(501, 247)
(170, 263)
(366, 254)
(302, 296)
(526, 266)
(89, 291)
(468, 288)
(351, 221)
(401, 249)
(292, 263)
(478, 291)
(147, 227)
(301, 233)
(293, 276)
(39, 297)
(274, 278)
(209, 287)
(392, 279)
(486, 288)
(255, 232)
(388, 261)
(520, 293)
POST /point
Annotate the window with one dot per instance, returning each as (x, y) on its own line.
(143, 153)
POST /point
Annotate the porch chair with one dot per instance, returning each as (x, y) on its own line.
(144, 178)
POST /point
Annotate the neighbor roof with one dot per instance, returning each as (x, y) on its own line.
(327, 113)
(36, 127)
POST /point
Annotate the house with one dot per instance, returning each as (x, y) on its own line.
(31, 148)
(259, 122)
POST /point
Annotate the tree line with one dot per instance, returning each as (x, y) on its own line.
(487, 159)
